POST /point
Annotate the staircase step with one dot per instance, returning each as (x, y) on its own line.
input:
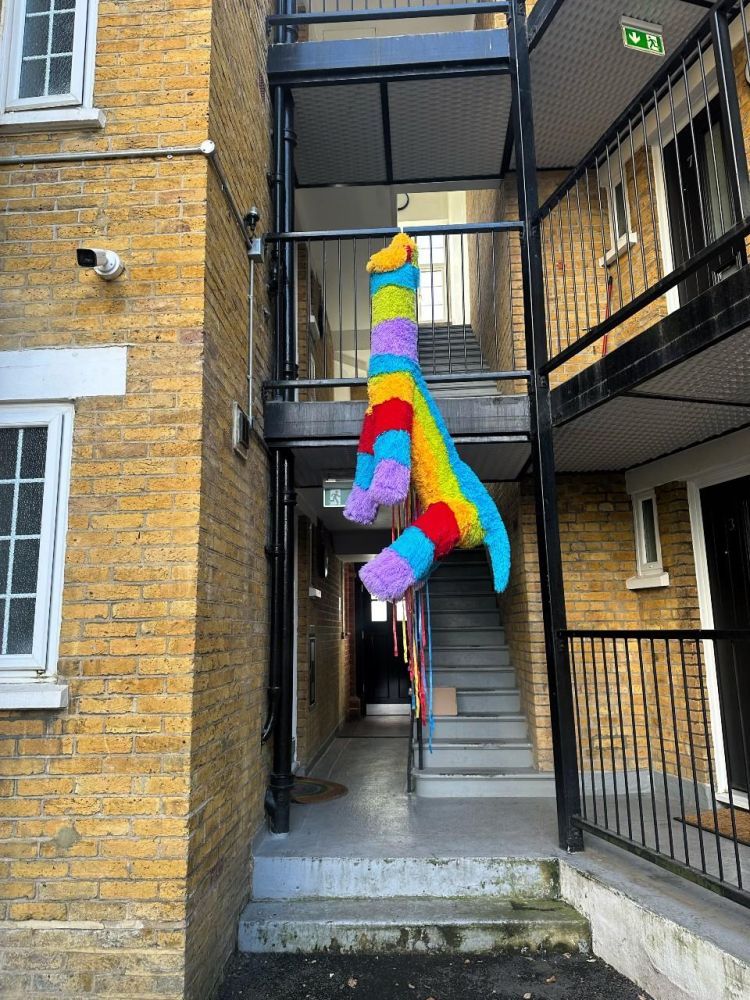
(458, 602)
(312, 876)
(459, 618)
(464, 754)
(472, 702)
(458, 783)
(480, 727)
(444, 587)
(468, 635)
(485, 677)
(404, 924)
(470, 656)
(461, 571)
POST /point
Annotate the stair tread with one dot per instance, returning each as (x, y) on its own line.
(484, 667)
(484, 716)
(484, 772)
(421, 910)
(484, 742)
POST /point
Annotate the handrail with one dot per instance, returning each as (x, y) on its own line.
(363, 234)
(387, 14)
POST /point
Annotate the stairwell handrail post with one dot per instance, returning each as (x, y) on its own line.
(548, 530)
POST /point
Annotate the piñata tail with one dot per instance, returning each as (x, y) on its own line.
(404, 442)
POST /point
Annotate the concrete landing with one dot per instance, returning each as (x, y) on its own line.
(403, 924)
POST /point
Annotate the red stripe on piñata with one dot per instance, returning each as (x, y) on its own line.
(439, 524)
(392, 415)
(368, 435)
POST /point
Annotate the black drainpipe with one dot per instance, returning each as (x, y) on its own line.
(283, 498)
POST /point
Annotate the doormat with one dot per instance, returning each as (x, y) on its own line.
(306, 791)
(706, 821)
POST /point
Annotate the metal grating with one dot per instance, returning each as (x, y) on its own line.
(628, 431)
(578, 91)
(448, 128)
(721, 372)
(339, 135)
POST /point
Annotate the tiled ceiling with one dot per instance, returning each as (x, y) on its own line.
(635, 428)
(583, 76)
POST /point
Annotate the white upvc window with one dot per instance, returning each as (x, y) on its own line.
(649, 567)
(621, 235)
(47, 75)
(35, 456)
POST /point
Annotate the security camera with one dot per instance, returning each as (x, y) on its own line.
(106, 263)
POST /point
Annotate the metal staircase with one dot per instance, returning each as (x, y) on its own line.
(484, 750)
(444, 349)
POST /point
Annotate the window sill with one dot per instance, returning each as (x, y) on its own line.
(623, 245)
(52, 119)
(33, 695)
(648, 582)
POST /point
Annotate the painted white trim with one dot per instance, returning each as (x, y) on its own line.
(58, 119)
(33, 695)
(82, 80)
(58, 417)
(647, 581)
(662, 221)
(65, 373)
(724, 458)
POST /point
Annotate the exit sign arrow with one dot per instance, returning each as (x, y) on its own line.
(643, 36)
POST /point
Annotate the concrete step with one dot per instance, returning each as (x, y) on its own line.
(466, 755)
(465, 657)
(471, 702)
(467, 635)
(456, 783)
(445, 587)
(404, 924)
(458, 602)
(480, 727)
(467, 617)
(483, 677)
(280, 877)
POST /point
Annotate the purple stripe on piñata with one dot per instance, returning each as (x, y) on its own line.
(388, 576)
(360, 507)
(390, 484)
(395, 336)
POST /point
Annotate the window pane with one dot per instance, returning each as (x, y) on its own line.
(378, 611)
(62, 33)
(21, 625)
(37, 6)
(25, 565)
(32, 79)
(29, 515)
(8, 446)
(34, 453)
(61, 69)
(4, 551)
(7, 492)
(649, 531)
(621, 222)
(36, 36)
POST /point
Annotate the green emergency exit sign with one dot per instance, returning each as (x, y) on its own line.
(335, 494)
(643, 36)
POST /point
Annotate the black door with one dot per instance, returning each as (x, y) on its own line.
(726, 520)
(382, 678)
(699, 202)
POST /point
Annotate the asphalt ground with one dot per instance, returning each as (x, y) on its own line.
(424, 977)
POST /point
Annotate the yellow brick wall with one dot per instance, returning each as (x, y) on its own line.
(128, 816)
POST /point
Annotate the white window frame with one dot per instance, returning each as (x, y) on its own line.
(72, 110)
(58, 419)
(618, 245)
(649, 573)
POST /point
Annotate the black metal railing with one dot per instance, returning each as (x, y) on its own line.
(663, 741)
(468, 310)
(658, 210)
(331, 11)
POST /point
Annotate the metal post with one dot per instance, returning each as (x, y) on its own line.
(731, 121)
(547, 526)
(284, 499)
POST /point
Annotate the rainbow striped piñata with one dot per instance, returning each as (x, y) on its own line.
(404, 441)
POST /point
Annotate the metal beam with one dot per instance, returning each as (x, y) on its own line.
(709, 318)
(385, 113)
(547, 525)
(389, 14)
(401, 57)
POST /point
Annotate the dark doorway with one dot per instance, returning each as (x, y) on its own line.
(726, 521)
(382, 678)
(699, 201)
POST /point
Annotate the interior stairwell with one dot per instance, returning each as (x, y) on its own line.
(485, 749)
(445, 349)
